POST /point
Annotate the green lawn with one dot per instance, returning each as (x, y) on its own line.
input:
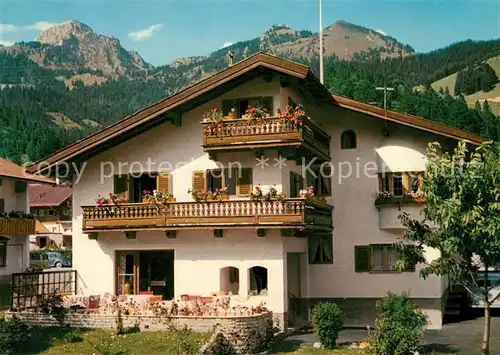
(291, 347)
(59, 341)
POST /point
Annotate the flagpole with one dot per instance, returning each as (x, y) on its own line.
(320, 44)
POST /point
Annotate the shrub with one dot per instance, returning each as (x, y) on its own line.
(73, 337)
(327, 322)
(12, 334)
(398, 328)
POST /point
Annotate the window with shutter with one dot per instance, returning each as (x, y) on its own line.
(296, 184)
(320, 248)
(362, 258)
(231, 180)
(164, 182)
(120, 186)
(214, 179)
(2, 205)
(199, 180)
(244, 186)
(227, 105)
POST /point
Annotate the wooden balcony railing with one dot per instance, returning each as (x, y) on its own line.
(14, 226)
(290, 213)
(267, 133)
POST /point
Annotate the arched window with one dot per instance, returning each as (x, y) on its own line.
(230, 280)
(348, 140)
(258, 281)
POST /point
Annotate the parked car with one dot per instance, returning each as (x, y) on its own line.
(48, 259)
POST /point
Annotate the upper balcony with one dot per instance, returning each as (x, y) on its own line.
(296, 213)
(17, 226)
(302, 135)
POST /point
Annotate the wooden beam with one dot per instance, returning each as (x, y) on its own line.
(218, 233)
(261, 232)
(171, 234)
(131, 235)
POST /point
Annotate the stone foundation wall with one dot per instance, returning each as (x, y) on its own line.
(243, 333)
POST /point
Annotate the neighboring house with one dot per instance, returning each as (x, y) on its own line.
(51, 206)
(15, 222)
(289, 253)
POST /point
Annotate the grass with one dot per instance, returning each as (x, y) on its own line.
(293, 347)
(59, 341)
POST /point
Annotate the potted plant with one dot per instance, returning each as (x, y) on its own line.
(222, 194)
(257, 195)
(256, 113)
(213, 115)
(147, 196)
(170, 197)
(307, 193)
(292, 113)
(198, 195)
(210, 195)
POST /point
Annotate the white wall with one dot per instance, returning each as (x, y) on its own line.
(13, 201)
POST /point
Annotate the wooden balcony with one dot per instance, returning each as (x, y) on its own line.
(13, 226)
(302, 214)
(269, 133)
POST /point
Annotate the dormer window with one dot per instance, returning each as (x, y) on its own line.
(348, 140)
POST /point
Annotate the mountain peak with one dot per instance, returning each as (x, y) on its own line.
(56, 35)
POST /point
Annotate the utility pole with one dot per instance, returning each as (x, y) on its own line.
(385, 88)
(321, 79)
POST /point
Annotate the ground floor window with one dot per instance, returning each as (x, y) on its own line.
(230, 280)
(145, 272)
(3, 251)
(377, 258)
(258, 281)
(320, 248)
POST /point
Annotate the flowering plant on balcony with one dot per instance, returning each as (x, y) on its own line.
(16, 215)
(113, 199)
(256, 112)
(214, 115)
(292, 113)
(384, 196)
(148, 196)
(257, 194)
(198, 195)
(307, 193)
(222, 193)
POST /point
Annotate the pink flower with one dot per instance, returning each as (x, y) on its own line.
(110, 194)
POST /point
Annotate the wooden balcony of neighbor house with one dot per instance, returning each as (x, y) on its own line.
(17, 226)
(267, 133)
(302, 214)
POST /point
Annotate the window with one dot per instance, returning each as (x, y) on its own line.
(320, 248)
(348, 140)
(320, 178)
(238, 182)
(258, 281)
(241, 105)
(400, 184)
(42, 242)
(377, 258)
(131, 187)
(3, 251)
(20, 187)
(230, 280)
(2, 205)
(397, 184)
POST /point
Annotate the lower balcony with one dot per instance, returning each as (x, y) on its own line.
(301, 214)
(14, 226)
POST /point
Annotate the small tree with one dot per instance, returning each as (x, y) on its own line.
(463, 198)
(327, 322)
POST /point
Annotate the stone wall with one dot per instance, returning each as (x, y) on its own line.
(243, 333)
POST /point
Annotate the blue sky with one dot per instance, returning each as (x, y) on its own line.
(164, 30)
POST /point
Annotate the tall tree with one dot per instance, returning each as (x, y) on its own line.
(463, 198)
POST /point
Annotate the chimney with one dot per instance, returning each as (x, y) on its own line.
(230, 57)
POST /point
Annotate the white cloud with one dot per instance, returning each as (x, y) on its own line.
(146, 33)
(227, 44)
(381, 32)
(7, 27)
(42, 25)
(6, 43)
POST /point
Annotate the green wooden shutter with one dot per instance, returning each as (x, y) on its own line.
(120, 186)
(362, 258)
(2, 205)
(227, 105)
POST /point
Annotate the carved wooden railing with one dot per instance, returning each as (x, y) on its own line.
(269, 131)
(14, 226)
(209, 213)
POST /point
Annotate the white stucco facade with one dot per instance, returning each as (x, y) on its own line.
(199, 256)
(17, 252)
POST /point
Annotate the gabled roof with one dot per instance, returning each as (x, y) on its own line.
(48, 196)
(13, 171)
(220, 82)
(408, 120)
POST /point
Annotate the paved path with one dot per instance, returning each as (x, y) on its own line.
(460, 338)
